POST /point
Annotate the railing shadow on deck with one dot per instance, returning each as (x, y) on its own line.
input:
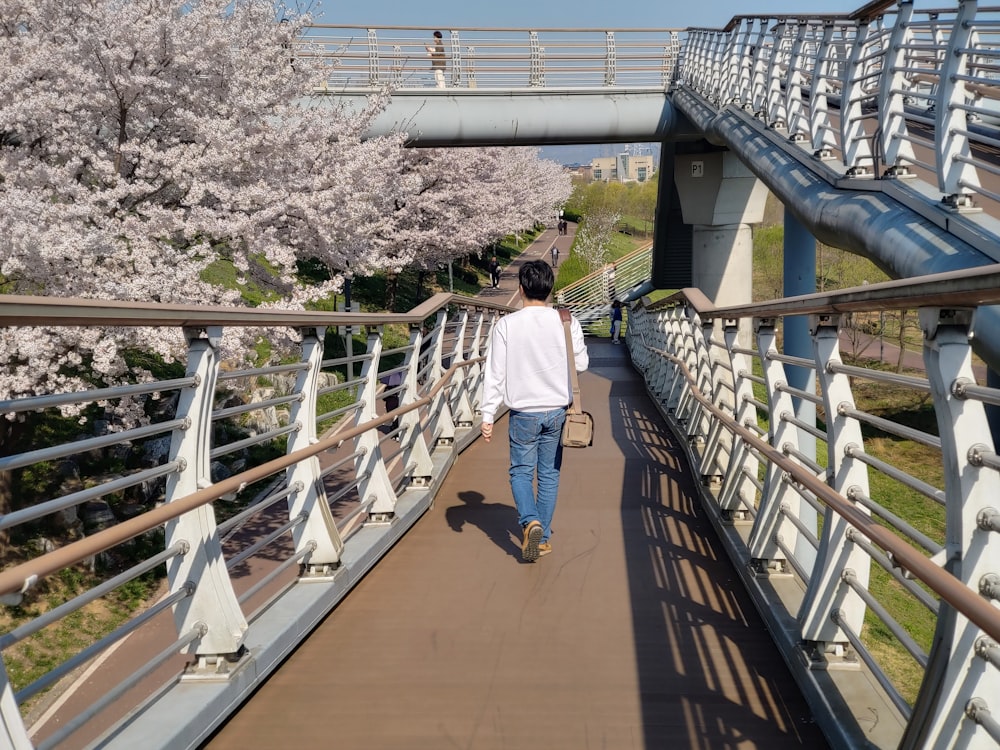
(708, 671)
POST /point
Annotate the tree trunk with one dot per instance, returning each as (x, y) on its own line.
(9, 434)
(391, 291)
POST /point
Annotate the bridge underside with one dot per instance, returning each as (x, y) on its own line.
(524, 117)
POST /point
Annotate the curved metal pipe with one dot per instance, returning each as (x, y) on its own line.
(868, 223)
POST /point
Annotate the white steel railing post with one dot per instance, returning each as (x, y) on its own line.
(717, 61)
(777, 116)
(13, 734)
(828, 592)
(657, 367)
(897, 151)
(372, 58)
(412, 443)
(646, 328)
(820, 125)
(853, 138)
(772, 532)
(744, 66)
(795, 107)
(677, 344)
(703, 70)
(956, 175)
(957, 675)
(456, 60)
(202, 569)
(732, 59)
(671, 61)
(719, 443)
(462, 395)
(687, 348)
(470, 68)
(442, 426)
(702, 66)
(759, 80)
(308, 497)
(611, 59)
(738, 490)
(374, 484)
(535, 73)
(477, 350)
(700, 423)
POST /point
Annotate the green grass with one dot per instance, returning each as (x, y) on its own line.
(573, 269)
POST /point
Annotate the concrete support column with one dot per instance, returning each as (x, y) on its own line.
(720, 198)
(722, 262)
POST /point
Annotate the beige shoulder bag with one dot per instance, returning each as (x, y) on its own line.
(578, 430)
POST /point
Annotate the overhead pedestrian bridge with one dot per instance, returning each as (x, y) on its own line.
(778, 540)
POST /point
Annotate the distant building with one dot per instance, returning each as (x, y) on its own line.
(624, 167)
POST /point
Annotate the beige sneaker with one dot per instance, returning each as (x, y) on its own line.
(532, 536)
(544, 548)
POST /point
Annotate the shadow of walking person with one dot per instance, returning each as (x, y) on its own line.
(493, 519)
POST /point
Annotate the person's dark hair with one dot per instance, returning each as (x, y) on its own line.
(536, 279)
(437, 34)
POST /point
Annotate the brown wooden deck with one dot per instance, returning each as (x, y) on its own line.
(633, 633)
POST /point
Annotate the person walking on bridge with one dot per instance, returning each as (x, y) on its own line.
(527, 369)
(436, 52)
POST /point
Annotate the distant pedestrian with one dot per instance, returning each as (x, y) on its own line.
(616, 321)
(436, 52)
(555, 255)
(495, 272)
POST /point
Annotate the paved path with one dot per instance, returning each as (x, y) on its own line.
(75, 694)
(540, 249)
(633, 633)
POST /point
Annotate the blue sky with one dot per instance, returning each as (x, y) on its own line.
(600, 14)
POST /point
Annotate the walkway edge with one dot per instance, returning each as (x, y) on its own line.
(834, 691)
(276, 632)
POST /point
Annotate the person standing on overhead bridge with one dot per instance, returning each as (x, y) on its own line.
(436, 52)
(527, 368)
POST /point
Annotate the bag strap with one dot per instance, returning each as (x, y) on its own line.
(575, 407)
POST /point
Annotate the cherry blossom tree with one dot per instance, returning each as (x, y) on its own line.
(466, 199)
(593, 237)
(141, 142)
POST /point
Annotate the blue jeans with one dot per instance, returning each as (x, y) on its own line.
(535, 447)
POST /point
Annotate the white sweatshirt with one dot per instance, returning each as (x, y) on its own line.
(526, 363)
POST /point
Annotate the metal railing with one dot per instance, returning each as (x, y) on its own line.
(891, 91)
(490, 58)
(320, 512)
(590, 298)
(315, 512)
(835, 535)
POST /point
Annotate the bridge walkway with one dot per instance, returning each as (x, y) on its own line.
(633, 633)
